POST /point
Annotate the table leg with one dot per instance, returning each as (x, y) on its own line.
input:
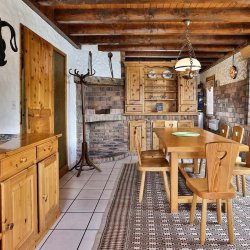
(196, 166)
(174, 182)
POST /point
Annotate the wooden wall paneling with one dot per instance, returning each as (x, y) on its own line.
(38, 77)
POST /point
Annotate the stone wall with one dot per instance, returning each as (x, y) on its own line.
(231, 103)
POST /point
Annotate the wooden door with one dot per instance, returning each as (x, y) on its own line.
(134, 86)
(38, 83)
(19, 210)
(140, 127)
(48, 190)
(187, 95)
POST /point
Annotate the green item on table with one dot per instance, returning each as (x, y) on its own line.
(185, 134)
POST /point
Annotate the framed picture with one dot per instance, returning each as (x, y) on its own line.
(210, 82)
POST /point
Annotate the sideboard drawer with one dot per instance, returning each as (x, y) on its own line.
(134, 108)
(16, 163)
(46, 149)
(188, 108)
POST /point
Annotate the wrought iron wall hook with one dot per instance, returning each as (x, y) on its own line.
(13, 44)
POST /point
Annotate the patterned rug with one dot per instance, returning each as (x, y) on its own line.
(150, 225)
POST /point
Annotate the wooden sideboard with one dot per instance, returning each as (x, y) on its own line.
(147, 87)
(29, 179)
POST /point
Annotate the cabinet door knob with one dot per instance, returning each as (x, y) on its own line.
(10, 226)
(45, 197)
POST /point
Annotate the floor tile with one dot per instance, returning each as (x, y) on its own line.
(101, 207)
(57, 221)
(64, 205)
(63, 240)
(83, 206)
(75, 184)
(88, 240)
(95, 221)
(74, 221)
(90, 194)
(110, 185)
(95, 185)
(106, 194)
(44, 239)
(83, 176)
(69, 193)
(99, 177)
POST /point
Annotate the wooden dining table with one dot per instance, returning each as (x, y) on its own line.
(184, 147)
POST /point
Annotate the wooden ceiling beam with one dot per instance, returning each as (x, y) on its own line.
(154, 15)
(149, 28)
(161, 39)
(172, 54)
(145, 3)
(135, 47)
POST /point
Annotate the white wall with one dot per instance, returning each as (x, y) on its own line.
(17, 12)
(221, 70)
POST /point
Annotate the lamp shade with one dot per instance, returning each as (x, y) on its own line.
(185, 64)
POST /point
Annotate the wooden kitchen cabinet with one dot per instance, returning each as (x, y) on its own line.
(19, 210)
(187, 95)
(48, 190)
(29, 182)
(140, 127)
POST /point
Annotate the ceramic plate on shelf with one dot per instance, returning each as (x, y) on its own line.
(185, 134)
(152, 74)
(167, 74)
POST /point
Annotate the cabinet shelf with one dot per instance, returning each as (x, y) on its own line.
(160, 91)
(156, 100)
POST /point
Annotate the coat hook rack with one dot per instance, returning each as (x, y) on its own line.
(84, 159)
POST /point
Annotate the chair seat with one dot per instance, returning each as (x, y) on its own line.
(241, 169)
(152, 154)
(199, 186)
(154, 165)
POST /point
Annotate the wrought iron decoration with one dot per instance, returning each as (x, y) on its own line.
(3, 44)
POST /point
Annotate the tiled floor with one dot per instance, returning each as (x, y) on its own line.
(83, 201)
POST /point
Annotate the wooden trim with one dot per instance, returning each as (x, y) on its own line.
(63, 171)
(59, 31)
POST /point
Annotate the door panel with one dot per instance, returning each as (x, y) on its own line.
(38, 83)
(19, 210)
(48, 189)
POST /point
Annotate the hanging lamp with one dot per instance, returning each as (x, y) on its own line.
(190, 64)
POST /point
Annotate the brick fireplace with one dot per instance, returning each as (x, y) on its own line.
(106, 127)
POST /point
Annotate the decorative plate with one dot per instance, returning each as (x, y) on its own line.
(167, 74)
(152, 74)
(185, 134)
(233, 72)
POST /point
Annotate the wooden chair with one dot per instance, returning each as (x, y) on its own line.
(242, 169)
(188, 124)
(151, 165)
(237, 135)
(221, 158)
(224, 130)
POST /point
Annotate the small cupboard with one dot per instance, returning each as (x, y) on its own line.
(155, 88)
(29, 190)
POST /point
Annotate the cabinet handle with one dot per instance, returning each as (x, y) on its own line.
(22, 160)
(10, 226)
(45, 197)
(50, 148)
